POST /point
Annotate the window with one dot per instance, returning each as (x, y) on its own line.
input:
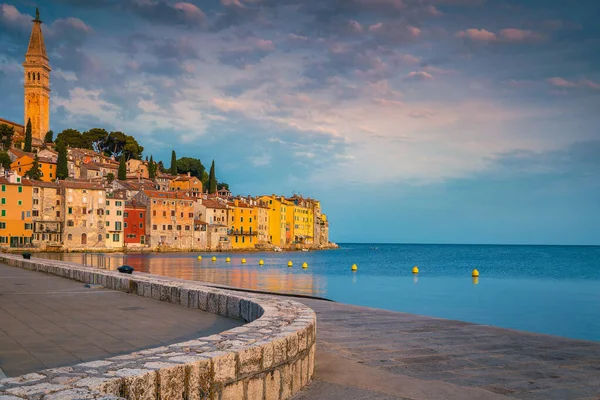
(107, 223)
(154, 213)
(141, 225)
(84, 210)
(69, 236)
(236, 239)
(3, 200)
(28, 226)
(28, 213)
(107, 236)
(178, 227)
(191, 215)
(50, 172)
(250, 219)
(142, 215)
(35, 213)
(2, 225)
(57, 214)
(153, 227)
(119, 204)
(170, 227)
(115, 237)
(126, 215)
(241, 219)
(70, 210)
(187, 227)
(20, 189)
(164, 213)
(119, 213)
(117, 226)
(125, 225)
(3, 213)
(107, 212)
(70, 223)
(83, 238)
(172, 213)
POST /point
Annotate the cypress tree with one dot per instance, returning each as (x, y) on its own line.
(34, 172)
(173, 169)
(212, 180)
(122, 169)
(62, 169)
(27, 147)
(49, 138)
(151, 168)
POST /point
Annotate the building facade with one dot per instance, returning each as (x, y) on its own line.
(134, 224)
(16, 224)
(114, 218)
(85, 224)
(47, 214)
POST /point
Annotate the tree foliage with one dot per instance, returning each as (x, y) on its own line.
(49, 138)
(100, 140)
(6, 134)
(28, 137)
(192, 165)
(222, 185)
(71, 138)
(34, 172)
(151, 168)
(122, 169)
(161, 167)
(62, 169)
(173, 169)
(110, 177)
(94, 139)
(5, 160)
(212, 179)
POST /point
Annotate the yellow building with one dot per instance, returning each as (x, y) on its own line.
(243, 224)
(300, 216)
(24, 163)
(16, 225)
(277, 219)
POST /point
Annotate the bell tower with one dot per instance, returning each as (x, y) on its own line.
(37, 82)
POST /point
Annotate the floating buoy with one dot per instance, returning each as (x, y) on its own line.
(290, 264)
(354, 267)
(261, 262)
(475, 274)
(199, 258)
(304, 265)
(214, 258)
(415, 270)
(243, 261)
(228, 259)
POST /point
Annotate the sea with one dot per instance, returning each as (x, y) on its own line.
(545, 289)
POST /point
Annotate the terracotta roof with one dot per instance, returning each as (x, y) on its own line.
(116, 195)
(45, 184)
(92, 166)
(213, 204)
(198, 222)
(5, 121)
(166, 195)
(24, 182)
(131, 204)
(80, 185)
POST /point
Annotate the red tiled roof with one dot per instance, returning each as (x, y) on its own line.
(213, 204)
(166, 195)
(24, 182)
(5, 121)
(45, 184)
(80, 185)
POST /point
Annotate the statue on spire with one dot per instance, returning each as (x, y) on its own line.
(37, 13)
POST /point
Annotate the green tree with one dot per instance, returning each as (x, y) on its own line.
(6, 135)
(62, 168)
(49, 138)
(118, 143)
(212, 180)
(122, 169)
(72, 138)
(94, 139)
(192, 165)
(151, 168)
(222, 185)
(34, 172)
(110, 177)
(5, 160)
(161, 167)
(27, 146)
(173, 169)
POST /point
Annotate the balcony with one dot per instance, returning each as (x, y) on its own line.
(236, 232)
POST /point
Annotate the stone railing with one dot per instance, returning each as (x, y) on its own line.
(270, 357)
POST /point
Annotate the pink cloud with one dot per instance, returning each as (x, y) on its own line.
(480, 35)
(190, 10)
(519, 35)
(418, 76)
(561, 82)
(12, 17)
(580, 84)
(355, 26)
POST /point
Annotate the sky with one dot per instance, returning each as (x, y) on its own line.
(413, 121)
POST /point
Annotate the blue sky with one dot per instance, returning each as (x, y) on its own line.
(438, 121)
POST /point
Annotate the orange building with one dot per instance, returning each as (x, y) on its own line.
(24, 163)
(16, 224)
(187, 183)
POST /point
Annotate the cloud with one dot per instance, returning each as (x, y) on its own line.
(480, 35)
(579, 84)
(163, 12)
(418, 76)
(252, 51)
(12, 18)
(509, 35)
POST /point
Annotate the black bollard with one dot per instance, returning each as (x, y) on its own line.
(125, 269)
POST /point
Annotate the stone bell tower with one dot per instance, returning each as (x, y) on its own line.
(37, 83)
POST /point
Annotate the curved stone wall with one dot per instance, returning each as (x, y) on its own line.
(270, 357)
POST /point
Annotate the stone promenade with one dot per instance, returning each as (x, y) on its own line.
(48, 321)
(371, 354)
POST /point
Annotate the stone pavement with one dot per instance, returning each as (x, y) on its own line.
(365, 353)
(48, 321)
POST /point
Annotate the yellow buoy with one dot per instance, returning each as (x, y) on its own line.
(354, 267)
(228, 259)
(199, 258)
(290, 264)
(261, 262)
(243, 261)
(475, 274)
(415, 270)
(214, 258)
(304, 265)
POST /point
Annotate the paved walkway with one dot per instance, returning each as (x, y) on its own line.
(48, 321)
(365, 353)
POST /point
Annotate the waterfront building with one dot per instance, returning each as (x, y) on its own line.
(47, 215)
(16, 225)
(212, 212)
(25, 161)
(242, 224)
(84, 205)
(114, 210)
(217, 238)
(262, 222)
(302, 221)
(277, 219)
(134, 224)
(187, 183)
(170, 216)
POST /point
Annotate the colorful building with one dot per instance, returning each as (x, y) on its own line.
(24, 163)
(134, 224)
(243, 225)
(115, 207)
(301, 219)
(277, 219)
(187, 183)
(47, 214)
(84, 209)
(16, 225)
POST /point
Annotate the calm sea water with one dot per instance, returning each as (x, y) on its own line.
(545, 289)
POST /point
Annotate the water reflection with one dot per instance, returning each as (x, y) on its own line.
(270, 277)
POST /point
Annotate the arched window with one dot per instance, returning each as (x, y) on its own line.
(83, 238)
(70, 237)
(34, 76)
(38, 76)
(29, 76)
(100, 237)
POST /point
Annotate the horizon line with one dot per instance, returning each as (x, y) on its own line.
(466, 244)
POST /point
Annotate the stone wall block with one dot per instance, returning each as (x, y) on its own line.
(165, 293)
(255, 388)
(286, 381)
(202, 300)
(171, 382)
(148, 289)
(233, 307)
(224, 367)
(302, 340)
(292, 345)
(245, 310)
(250, 360)
(296, 376)
(156, 291)
(272, 385)
(233, 391)
(199, 380)
(184, 299)
(193, 298)
(222, 304)
(141, 386)
(279, 351)
(175, 295)
(304, 373)
(311, 361)
(212, 305)
(267, 358)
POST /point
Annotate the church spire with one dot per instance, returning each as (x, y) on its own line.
(36, 41)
